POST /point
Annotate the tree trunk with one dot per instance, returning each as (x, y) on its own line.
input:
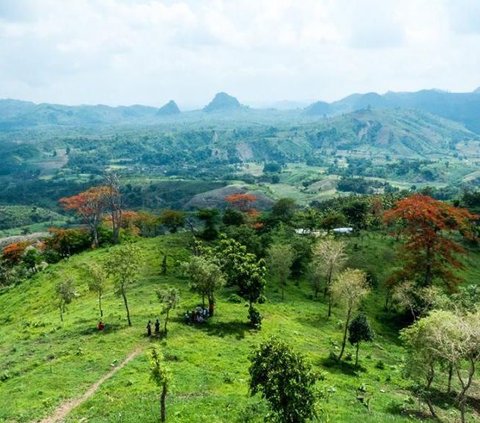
(95, 237)
(61, 313)
(126, 307)
(164, 265)
(100, 304)
(450, 375)
(166, 322)
(430, 376)
(465, 386)
(345, 335)
(163, 397)
(330, 301)
(211, 305)
(356, 354)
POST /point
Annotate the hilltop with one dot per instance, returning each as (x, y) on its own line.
(223, 102)
(168, 109)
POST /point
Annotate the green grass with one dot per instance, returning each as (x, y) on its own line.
(44, 362)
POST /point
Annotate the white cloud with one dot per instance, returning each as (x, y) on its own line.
(148, 51)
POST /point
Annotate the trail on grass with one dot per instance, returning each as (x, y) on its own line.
(65, 408)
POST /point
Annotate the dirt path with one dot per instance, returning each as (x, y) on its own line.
(65, 408)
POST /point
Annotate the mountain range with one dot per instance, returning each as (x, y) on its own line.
(460, 107)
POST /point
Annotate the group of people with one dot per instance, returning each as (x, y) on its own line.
(197, 315)
(157, 328)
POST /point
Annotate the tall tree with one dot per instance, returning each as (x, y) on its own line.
(65, 293)
(280, 259)
(169, 298)
(90, 205)
(160, 374)
(428, 251)
(114, 204)
(328, 258)
(348, 289)
(97, 280)
(285, 380)
(206, 278)
(243, 270)
(123, 266)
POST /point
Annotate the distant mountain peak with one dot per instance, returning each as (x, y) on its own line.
(170, 108)
(223, 102)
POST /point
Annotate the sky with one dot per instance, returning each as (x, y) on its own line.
(122, 52)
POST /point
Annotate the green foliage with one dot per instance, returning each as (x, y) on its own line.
(359, 330)
(280, 260)
(123, 266)
(169, 298)
(172, 219)
(206, 278)
(285, 380)
(65, 293)
(97, 281)
(160, 374)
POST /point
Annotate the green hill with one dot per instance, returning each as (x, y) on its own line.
(45, 362)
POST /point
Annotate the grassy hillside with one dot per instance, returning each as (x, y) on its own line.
(44, 362)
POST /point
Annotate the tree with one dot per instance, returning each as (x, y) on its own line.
(169, 298)
(359, 330)
(206, 278)
(160, 374)
(90, 206)
(123, 266)
(285, 380)
(328, 259)
(172, 219)
(428, 251)
(444, 338)
(210, 217)
(97, 280)
(243, 270)
(13, 252)
(242, 202)
(282, 211)
(280, 259)
(114, 204)
(32, 258)
(348, 289)
(65, 293)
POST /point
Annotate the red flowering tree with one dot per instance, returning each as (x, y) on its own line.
(242, 202)
(90, 205)
(13, 253)
(427, 225)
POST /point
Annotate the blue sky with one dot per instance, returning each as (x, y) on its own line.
(262, 51)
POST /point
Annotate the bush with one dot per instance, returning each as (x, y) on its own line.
(235, 299)
(380, 365)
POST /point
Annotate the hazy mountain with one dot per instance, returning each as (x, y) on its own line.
(399, 132)
(461, 107)
(223, 102)
(19, 114)
(318, 108)
(168, 109)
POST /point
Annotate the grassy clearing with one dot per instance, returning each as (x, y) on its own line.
(44, 362)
